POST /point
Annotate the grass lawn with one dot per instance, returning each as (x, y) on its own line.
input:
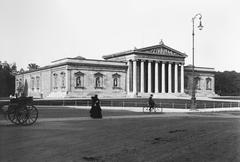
(172, 138)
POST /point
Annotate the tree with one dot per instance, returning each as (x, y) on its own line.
(227, 83)
(7, 79)
(32, 66)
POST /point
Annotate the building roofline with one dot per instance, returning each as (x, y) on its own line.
(141, 50)
(199, 68)
(69, 61)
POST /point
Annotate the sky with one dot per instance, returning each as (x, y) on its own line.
(41, 31)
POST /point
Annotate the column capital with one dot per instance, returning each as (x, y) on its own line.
(142, 60)
(177, 63)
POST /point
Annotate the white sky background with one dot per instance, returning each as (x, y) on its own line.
(40, 31)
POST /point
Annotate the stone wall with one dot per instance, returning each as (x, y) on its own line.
(202, 90)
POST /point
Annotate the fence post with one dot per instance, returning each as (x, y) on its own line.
(205, 105)
(172, 105)
(123, 104)
(230, 104)
(214, 105)
(87, 103)
(222, 105)
(185, 105)
(75, 103)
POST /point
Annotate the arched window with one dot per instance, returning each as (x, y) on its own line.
(79, 80)
(63, 76)
(38, 82)
(208, 84)
(197, 83)
(17, 83)
(98, 80)
(32, 83)
(116, 81)
(55, 81)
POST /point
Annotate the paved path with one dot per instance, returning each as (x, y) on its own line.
(165, 115)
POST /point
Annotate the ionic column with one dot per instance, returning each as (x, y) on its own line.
(142, 76)
(68, 81)
(182, 78)
(149, 77)
(134, 76)
(169, 78)
(128, 76)
(156, 77)
(163, 77)
(176, 78)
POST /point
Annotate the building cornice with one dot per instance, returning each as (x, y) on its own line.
(82, 62)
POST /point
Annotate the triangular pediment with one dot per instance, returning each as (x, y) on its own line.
(116, 75)
(98, 74)
(79, 73)
(162, 50)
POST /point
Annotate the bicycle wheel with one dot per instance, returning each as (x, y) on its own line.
(31, 115)
(146, 109)
(12, 114)
(158, 109)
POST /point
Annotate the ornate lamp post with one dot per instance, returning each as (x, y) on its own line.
(193, 98)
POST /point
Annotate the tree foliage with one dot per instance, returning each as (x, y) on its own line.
(227, 83)
(32, 66)
(7, 79)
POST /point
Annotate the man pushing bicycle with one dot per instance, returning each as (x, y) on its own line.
(151, 103)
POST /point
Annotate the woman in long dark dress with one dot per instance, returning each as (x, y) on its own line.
(96, 111)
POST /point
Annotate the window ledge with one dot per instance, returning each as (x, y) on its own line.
(98, 87)
(79, 87)
(117, 88)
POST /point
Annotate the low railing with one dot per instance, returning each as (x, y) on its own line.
(114, 103)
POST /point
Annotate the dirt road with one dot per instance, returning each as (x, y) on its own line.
(204, 137)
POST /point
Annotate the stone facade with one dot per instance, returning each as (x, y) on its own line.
(204, 81)
(73, 77)
(157, 70)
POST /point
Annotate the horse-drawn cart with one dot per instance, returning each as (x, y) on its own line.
(21, 111)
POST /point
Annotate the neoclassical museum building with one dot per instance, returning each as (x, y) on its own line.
(157, 70)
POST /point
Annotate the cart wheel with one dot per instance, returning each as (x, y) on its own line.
(31, 115)
(12, 115)
(22, 114)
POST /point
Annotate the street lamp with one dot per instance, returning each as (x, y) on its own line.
(200, 27)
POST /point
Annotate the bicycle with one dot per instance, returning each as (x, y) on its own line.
(153, 109)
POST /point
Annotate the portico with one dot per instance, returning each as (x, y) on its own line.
(155, 77)
(154, 70)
